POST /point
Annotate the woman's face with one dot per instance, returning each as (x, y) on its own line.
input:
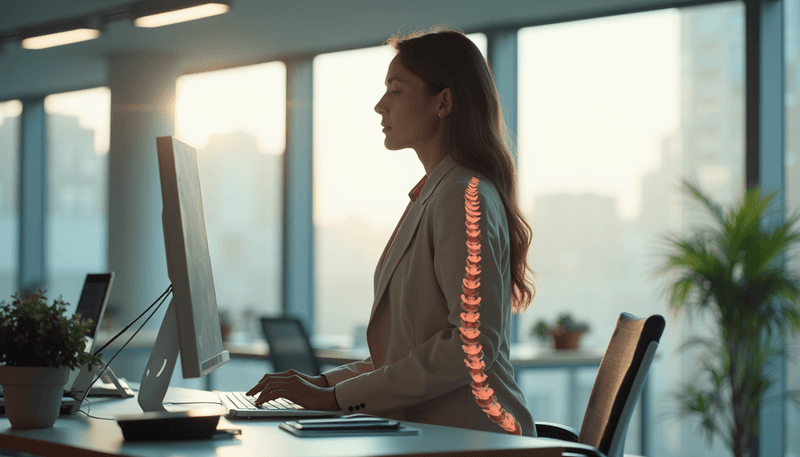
(409, 116)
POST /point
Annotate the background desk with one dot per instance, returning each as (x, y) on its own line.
(84, 436)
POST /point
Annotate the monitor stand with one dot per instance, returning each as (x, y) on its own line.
(161, 364)
(81, 387)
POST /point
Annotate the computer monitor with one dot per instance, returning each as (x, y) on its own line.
(191, 323)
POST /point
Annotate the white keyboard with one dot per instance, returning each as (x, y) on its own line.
(239, 405)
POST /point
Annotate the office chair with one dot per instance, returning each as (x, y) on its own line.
(289, 347)
(619, 382)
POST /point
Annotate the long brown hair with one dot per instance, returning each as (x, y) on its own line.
(475, 133)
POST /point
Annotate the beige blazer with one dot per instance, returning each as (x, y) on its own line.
(416, 369)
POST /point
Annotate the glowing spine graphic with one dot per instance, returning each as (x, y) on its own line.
(470, 333)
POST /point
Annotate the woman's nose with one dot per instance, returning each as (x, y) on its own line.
(379, 108)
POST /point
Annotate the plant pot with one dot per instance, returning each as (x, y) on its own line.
(567, 340)
(225, 330)
(33, 394)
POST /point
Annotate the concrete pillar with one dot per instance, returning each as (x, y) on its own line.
(32, 197)
(298, 241)
(142, 108)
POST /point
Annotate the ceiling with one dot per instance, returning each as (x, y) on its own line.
(257, 31)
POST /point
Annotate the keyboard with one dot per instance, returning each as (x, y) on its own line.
(239, 405)
(242, 401)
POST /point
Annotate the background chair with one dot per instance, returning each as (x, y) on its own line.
(289, 346)
(619, 382)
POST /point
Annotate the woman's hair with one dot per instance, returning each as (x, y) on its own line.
(474, 133)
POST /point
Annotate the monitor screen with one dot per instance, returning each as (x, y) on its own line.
(191, 323)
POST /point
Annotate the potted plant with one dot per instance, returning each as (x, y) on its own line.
(566, 332)
(734, 270)
(38, 347)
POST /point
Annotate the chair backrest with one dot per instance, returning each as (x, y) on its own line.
(289, 347)
(619, 382)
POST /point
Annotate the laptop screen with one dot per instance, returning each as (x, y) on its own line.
(93, 301)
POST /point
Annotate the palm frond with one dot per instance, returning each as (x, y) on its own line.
(714, 209)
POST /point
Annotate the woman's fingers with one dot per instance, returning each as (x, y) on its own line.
(298, 390)
(266, 378)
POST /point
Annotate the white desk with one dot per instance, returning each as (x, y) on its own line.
(84, 436)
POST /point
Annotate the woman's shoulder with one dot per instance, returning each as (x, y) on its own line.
(461, 178)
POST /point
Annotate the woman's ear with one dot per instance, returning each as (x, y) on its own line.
(445, 98)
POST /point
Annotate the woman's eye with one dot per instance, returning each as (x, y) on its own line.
(394, 92)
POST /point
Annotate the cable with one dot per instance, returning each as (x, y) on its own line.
(169, 289)
(163, 298)
(96, 417)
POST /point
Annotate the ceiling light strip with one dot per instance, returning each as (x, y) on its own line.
(60, 38)
(181, 15)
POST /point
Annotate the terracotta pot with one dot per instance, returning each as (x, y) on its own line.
(33, 394)
(225, 330)
(567, 340)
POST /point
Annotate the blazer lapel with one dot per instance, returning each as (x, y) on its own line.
(407, 230)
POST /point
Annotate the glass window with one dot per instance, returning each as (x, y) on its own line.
(236, 120)
(355, 210)
(792, 176)
(613, 112)
(78, 126)
(9, 207)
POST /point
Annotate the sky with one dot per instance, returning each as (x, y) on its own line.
(248, 99)
(596, 99)
(93, 109)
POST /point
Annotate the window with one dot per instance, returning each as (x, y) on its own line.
(236, 120)
(9, 183)
(356, 204)
(78, 125)
(792, 177)
(605, 135)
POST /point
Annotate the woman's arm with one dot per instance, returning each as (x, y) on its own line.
(336, 375)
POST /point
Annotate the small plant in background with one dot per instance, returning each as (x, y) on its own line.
(566, 332)
(225, 324)
(35, 334)
(564, 324)
(734, 269)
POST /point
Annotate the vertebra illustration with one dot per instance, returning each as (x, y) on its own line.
(470, 323)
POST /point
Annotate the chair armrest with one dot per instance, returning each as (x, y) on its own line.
(557, 431)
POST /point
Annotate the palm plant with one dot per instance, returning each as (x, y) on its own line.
(736, 270)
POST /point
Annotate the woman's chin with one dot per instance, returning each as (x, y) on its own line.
(391, 146)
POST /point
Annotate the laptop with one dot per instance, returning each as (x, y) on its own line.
(91, 305)
(240, 406)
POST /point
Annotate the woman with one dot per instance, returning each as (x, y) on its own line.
(455, 266)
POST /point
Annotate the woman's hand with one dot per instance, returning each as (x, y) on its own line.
(310, 392)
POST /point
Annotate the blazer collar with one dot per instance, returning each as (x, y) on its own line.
(408, 228)
(444, 167)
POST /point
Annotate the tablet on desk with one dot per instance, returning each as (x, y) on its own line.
(346, 426)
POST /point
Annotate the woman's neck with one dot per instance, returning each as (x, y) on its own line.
(431, 158)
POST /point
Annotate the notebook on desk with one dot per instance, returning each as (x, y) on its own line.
(240, 406)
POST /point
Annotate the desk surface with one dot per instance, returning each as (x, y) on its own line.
(81, 435)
